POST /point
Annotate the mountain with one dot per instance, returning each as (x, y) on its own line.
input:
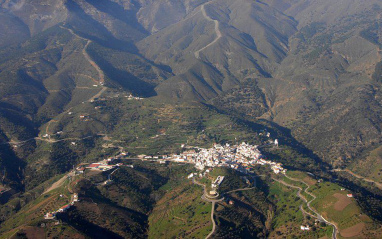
(78, 76)
(234, 48)
(304, 56)
(328, 95)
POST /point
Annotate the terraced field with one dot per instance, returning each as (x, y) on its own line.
(188, 216)
(34, 212)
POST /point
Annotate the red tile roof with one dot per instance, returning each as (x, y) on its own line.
(93, 165)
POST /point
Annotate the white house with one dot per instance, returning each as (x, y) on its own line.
(305, 228)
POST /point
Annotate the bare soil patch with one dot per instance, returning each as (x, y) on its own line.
(342, 203)
(309, 181)
(353, 231)
(57, 184)
(364, 218)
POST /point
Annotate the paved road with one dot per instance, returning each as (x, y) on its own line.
(217, 31)
(318, 216)
(204, 196)
(213, 221)
(47, 140)
(213, 201)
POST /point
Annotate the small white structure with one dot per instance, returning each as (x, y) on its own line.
(213, 193)
(178, 159)
(107, 182)
(276, 170)
(50, 216)
(305, 228)
(190, 176)
(75, 197)
(276, 142)
(217, 182)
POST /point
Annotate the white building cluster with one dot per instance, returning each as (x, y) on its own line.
(105, 164)
(238, 157)
(131, 97)
(276, 167)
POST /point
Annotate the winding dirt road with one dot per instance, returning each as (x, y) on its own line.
(217, 30)
(59, 183)
(101, 76)
(379, 185)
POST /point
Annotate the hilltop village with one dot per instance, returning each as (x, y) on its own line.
(239, 157)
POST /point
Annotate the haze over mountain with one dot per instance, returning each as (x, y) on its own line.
(311, 70)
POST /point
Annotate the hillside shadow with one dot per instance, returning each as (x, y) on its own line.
(293, 142)
(85, 26)
(91, 230)
(117, 11)
(124, 79)
(12, 167)
(284, 136)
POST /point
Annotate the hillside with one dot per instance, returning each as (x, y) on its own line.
(158, 201)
